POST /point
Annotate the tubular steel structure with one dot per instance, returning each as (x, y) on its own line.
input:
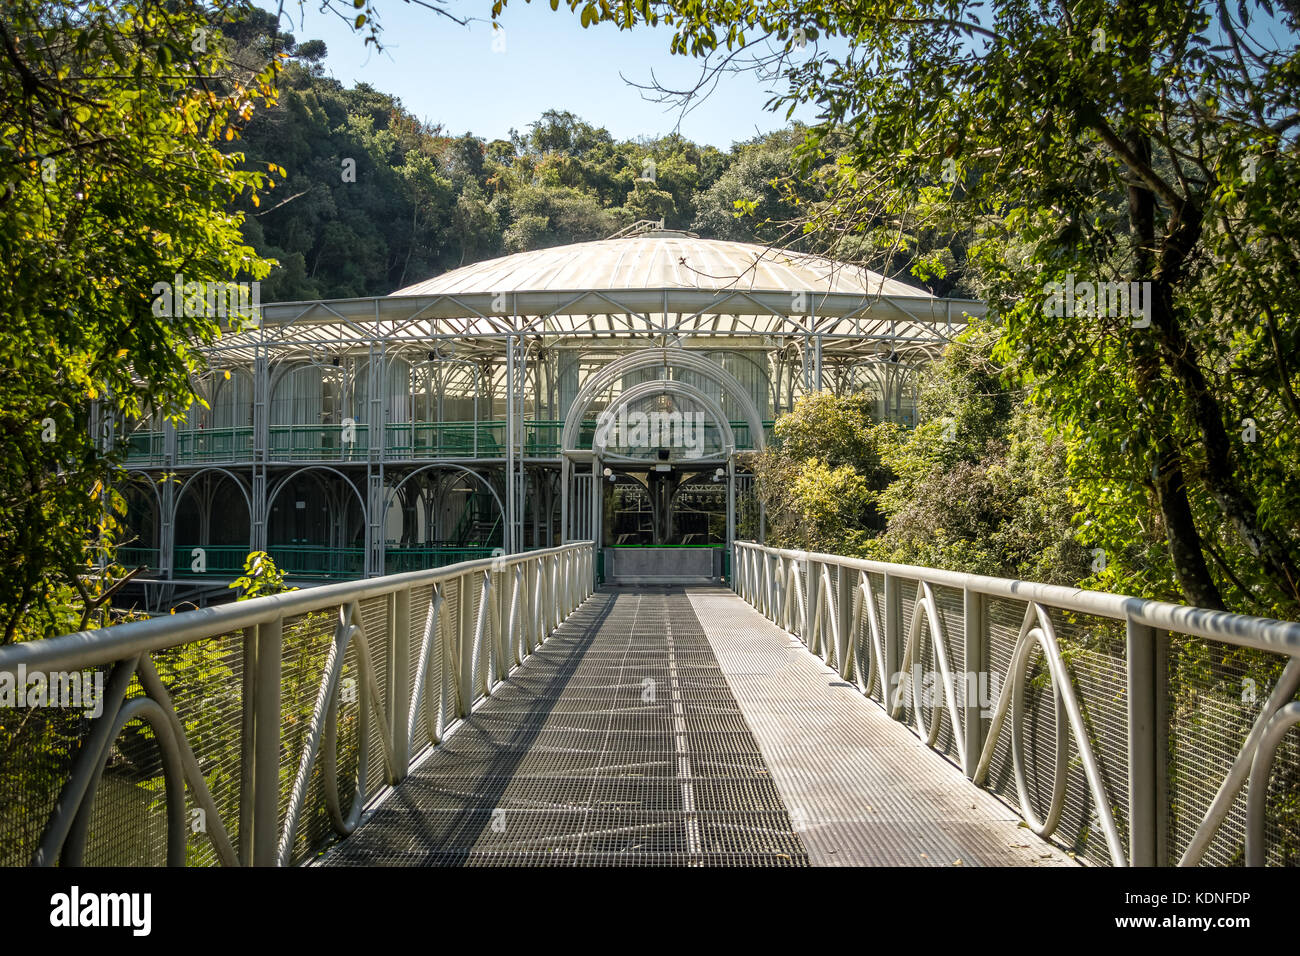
(1120, 751)
(269, 724)
(456, 418)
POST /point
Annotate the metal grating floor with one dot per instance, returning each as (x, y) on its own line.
(862, 789)
(619, 742)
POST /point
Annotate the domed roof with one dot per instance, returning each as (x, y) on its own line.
(652, 284)
(661, 260)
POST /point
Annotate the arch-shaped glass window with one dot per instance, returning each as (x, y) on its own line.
(446, 390)
(232, 399)
(309, 394)
(656, 426)
(750, 368)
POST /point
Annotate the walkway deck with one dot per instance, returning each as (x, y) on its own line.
(679, 727)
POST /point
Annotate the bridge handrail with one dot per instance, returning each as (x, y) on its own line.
(481, 618)
(105, 644)
(867, 640)
(1243, 630)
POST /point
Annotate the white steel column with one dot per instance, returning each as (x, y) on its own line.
(508, 536)
(261, 443)
(376, 390)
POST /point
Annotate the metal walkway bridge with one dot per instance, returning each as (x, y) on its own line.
(828, 711)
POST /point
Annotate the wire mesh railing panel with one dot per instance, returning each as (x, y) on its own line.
(907, 601)
(861, 638)
(125, 827)
(353, 721)
(1282, 805)
(1110, 741)
(482, 643)
(830, 607)
(1095, 661)
(205, 680)
(1004, 619)
(948, 603)
(306, 643)
(878, 599)
(1216, 693)
(451, 641)
(375, 624)
(1095, 657)
(421, 604)
(39, 746)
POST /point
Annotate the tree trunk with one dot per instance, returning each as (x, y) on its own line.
(1190, 567)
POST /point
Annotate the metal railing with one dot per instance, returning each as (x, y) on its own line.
(318, 443)
(1135, 732)
(212, 445)
(403, 441)
(256, 733)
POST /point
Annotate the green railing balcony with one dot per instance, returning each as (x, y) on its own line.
(319, 442)
(399, 559)
(402, 441)
(542, 438)
(301, 560)
(218, 560)
(445, 440)
(318, 561)
(213, 444)
(744, 440)
(145, 448)
(132, 556)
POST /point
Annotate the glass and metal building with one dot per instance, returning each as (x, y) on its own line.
(604, 390)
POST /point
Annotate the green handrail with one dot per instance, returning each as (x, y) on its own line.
(403, 440)
(398, 559)
(217, 560)
(133, 556)
(145, 448)
(310, 560)
(319, 442)
(214, 444)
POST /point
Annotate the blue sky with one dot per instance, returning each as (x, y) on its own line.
(449, 74)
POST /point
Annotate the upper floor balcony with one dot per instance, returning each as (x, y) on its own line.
(405, 441)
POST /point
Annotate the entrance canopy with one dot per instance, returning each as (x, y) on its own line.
(683, 390)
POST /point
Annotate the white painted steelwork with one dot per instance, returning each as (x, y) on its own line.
(826, 599)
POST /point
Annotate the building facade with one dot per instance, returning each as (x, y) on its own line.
(604, 390)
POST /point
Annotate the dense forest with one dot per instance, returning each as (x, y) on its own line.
(376, 199)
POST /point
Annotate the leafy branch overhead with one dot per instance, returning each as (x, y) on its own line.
(1150, 143)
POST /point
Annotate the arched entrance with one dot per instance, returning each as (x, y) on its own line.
(649, 469)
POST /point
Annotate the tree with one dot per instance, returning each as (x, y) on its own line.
(980, 483)
(754, 181)
(1148, 143)
(553, 217)
(821, 478)
(109, 189)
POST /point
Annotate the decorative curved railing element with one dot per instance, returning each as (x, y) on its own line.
(1281, 721)
(1043, 635)
(504, 608)
(925, 606)
(844, 600)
